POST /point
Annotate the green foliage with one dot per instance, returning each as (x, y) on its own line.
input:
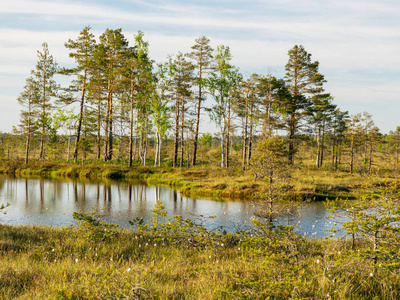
(303, 81)
(373, 217)
(93, 228)
(176, 229)
(118, 91)
(270, 166)
(3, 206)
(205, 139)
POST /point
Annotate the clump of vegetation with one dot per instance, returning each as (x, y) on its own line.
(95, 229)
(178, 258)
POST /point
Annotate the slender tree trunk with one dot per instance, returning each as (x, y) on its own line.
(244, 155)
(84, 138)
(351, 154)
(98, 140)
(375, 240)
(157, 155)
(145, 140)
(250, 139)
(135, 146)
(228, 127)
(107, 128)
(370, 158)
(141, 142)
(196, 133)
(333, 154)
(69, 147)
(291, 140)
(176, 138)
(42, 137)
(78, 128)
(223, 144)
(317, 162)
(131, 129)
(182, 133)
(110, 131)
(28, 134)
(322, 146)
(267, 130)
(187, 152)
(159, 151)
(271, 198)
(28, 137)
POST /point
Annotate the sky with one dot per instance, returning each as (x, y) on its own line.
(357, 42)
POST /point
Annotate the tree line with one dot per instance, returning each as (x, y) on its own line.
(118, 94)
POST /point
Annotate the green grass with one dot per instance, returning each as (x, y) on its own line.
(96, 261)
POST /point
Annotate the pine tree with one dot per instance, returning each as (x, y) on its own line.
(140, 79)
(42, 75)
(371, 137)
(353, 135)
(338, 128)
(109, 55)
(29, 99)
(82, 48)
(321, 112)
(271, 92)
(203, 59)
(302, 80)
(245, 107)
(182, 76)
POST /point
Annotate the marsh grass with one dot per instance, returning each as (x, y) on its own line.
(180, 259)
(209, 180)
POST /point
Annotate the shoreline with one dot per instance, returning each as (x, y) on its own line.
(194, 182)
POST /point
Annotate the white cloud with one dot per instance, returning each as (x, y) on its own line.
(346, 37)
(288, 27)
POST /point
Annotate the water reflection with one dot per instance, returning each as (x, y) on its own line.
(52, 202)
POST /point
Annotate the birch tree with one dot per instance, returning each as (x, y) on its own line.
(220, 84)
(160, 108)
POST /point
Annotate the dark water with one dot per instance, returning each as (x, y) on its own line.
(53, 201)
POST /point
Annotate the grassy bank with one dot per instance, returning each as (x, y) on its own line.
(208, 181)
(181, 260)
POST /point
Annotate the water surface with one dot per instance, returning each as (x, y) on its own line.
(53, 201)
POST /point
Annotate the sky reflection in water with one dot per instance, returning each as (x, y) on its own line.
(53, 201)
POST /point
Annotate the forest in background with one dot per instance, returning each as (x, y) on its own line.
(122, 106)
(123, 113)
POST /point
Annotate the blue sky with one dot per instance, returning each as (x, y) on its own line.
(357, 42)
